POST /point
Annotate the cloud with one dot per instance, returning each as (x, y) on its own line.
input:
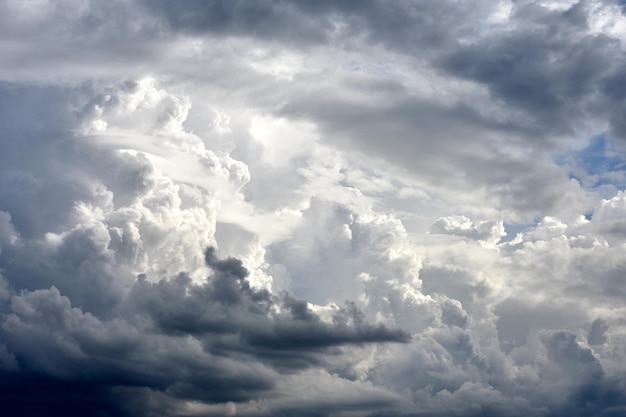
(410, 209)
(78, 324)
(216, 342)
(229, 305)
(462, 226)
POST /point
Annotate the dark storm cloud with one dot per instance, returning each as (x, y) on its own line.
(403, 25)
(81, 362)
(282, 20)
(546, 66)
(248, 319)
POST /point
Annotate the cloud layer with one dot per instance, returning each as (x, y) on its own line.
(312, 208)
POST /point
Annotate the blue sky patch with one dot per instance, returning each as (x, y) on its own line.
(599, 164)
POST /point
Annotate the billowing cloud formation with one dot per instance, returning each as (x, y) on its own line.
(312, 208)
(215, 342)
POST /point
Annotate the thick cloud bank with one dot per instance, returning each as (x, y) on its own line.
(313, 208)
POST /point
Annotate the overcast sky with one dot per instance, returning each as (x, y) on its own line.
(341, 208)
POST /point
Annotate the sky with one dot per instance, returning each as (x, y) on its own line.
(349, 208)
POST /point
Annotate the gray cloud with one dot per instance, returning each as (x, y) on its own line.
(597, 332)
(547, 66)
(228, 305)
(216, 342)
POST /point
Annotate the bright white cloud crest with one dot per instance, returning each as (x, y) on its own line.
(312, 208)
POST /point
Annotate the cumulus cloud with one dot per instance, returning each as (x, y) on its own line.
(312, 208)
(214, 342)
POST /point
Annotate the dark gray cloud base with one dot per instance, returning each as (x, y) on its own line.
(215, 342)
